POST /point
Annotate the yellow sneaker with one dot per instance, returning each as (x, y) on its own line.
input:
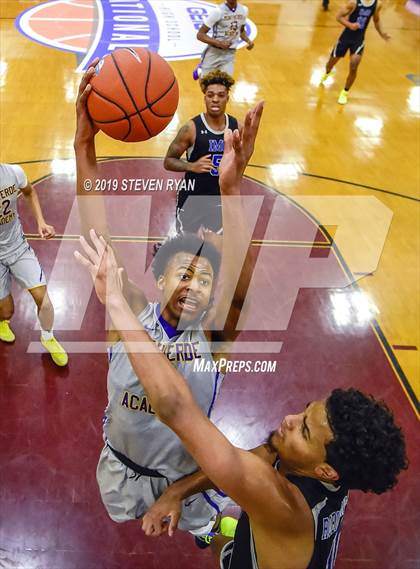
(58, 353)
(227, 527)
(6, 334)
(324, 78)
(342, 99)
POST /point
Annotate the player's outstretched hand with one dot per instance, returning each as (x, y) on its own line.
(385, 36)
(163, 516)
(85, 130)
(239, 147)
(102, 265)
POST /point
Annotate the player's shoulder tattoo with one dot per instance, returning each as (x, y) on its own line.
(187, 131)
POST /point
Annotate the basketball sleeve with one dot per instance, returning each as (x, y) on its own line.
(213, 17)
(20, 176)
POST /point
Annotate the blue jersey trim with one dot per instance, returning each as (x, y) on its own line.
(171, 332)
(214, 394)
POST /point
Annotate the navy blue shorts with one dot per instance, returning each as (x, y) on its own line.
(196, 213)
(342, 46)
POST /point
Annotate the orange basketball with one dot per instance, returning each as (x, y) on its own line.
(134, 94)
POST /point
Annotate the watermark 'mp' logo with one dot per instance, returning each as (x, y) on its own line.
(94, 28)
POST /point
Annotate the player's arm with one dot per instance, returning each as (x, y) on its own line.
(220, 324)
(378, 24)
(31, 197)
(164, 514)
(185, 139)
(246, 478)
(343, 16)
(202, 34)
(199, 481)
(90, 203)
(245, 37)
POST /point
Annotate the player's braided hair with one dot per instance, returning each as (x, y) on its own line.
(216, 77)
(368, 450)
(184, 243)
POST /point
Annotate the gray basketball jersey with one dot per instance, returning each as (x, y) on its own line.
(12, 240)
(226, 23)
(130, 425)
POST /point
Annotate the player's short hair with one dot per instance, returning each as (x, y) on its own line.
(368, 449)
(185, 243)
(216, 77)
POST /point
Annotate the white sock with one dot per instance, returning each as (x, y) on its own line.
(46, 335)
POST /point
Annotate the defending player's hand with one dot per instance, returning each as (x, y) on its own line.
(250, 45)
(102, 265)
(46, 231)
(85, 130)
(385, 36)
(163, 516)
(239, 147)
(202, 165)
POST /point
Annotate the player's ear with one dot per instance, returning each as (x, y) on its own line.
(161, 282)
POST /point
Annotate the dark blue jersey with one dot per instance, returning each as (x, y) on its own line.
(362, 15)
(207, 141)
(327, 504)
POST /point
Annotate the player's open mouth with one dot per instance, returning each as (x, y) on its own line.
(188, 304)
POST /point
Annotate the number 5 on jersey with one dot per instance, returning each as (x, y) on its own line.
(216, 159)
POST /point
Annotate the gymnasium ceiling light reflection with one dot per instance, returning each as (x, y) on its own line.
(174, 124)
(59, 298)
(316, 75)
(352, 307)
(285, 171)
(245, 92)
(370, 126)
(413, 100)
(3, 72)
(71, 88)
(63, 166)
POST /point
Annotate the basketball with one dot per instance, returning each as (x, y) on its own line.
(134, 94)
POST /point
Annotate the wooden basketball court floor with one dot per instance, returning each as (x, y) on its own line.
(319, 167)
